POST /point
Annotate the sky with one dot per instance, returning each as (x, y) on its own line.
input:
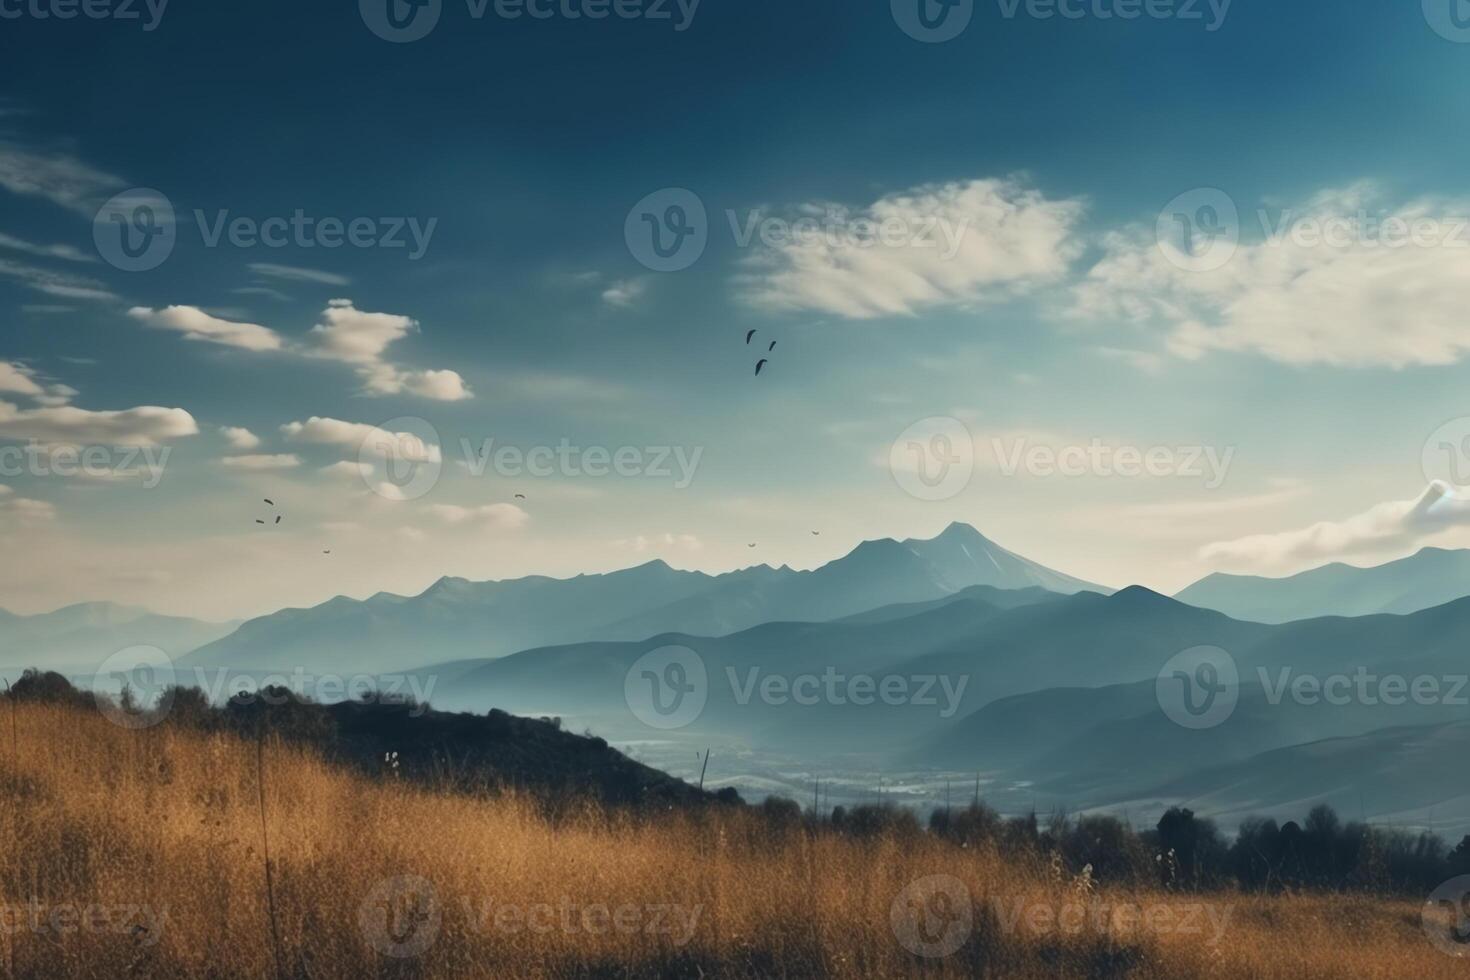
(1142, 291)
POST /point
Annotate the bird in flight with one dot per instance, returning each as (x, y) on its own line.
(760, 364)
(771, 348)
(520, 496)
(269, 501)
(748, 335)
(816, 533)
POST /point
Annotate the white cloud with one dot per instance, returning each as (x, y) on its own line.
(1386, 527)
(68, 425)
(491, 515)
(944, 245)
(277, 461)
(291, 273)
(355, 337)
(359, 436)
(195, 324)
(625, 292)
(348, 334)
(344, 334)
(18, 379)
(1321, 286)
(240, 438)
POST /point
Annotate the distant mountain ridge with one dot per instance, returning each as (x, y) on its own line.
(1431, 577)
(86, 633)
(457, 619)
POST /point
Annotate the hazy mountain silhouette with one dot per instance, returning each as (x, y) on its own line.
(83, 635)
(457, 619)
(1430, 578)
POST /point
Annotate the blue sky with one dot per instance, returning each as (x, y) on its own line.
(1049, 146)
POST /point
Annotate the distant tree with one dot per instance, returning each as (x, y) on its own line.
(47, 687)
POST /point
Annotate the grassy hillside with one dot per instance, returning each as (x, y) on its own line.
(143, 853)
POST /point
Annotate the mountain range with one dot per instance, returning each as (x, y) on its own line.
(1432, 577)
(455, 618)
(81, 636)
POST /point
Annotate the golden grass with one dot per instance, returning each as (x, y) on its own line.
(165, 823)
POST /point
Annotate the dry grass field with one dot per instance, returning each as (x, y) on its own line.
(144, 854)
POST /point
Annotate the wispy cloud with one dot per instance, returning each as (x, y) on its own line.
(943, 245)
(56, 177)
(261, 461)
(66, 252)
(1323, 286)
(61, 284)
(292, 273)
(1386, 527)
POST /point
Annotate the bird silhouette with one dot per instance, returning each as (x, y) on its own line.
(520, 496)
(760, 364)
(817, 533)
(750, 546)
(771, 348)
(748, 335)
(269, 501)
(278, 518)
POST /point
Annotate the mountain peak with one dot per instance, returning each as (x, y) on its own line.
(959, 531)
